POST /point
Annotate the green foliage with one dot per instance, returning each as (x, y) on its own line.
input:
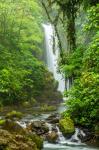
(22, 75)
(91, 55)
(83, 65)
(92, 23)
(83, 101)
(72, 63)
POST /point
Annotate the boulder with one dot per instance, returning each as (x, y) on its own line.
(36, 139)
(52, 137)
(54, 129)
(12, 126)
(14, 115)
(10, 141)
(39, 127)
(53, 118)
(66, 126)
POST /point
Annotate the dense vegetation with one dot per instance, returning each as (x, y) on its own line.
(23, 76)
(79, 62)
(83, 65)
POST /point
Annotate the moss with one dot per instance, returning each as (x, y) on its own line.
(29, 103)
(66, 126)
(13, 127)
(2, 122)
(26, 104)
(9, 141)
(37, 140)
(97, 129)
(14, 114)
(1, 105)
(46, 107)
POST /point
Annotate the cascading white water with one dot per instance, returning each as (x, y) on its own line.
(52, 57)
(62, 143)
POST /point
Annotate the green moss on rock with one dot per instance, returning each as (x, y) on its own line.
(46, 107)
(14, 114)
(66, 125)
(10, 141)
(2, 122)
(12, 127)
(37, 140)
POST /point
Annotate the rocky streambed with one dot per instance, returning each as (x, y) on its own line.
(46, 131)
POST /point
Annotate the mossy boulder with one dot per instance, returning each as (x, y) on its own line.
(12, 126)
(26, 104)
(66, 126)
(2, 122)
(10, 141)
(14, 115)
(29, 103)
(46, 107)
(37, 140)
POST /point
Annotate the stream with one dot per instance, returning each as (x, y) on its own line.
(73, 143)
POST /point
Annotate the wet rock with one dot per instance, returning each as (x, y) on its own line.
(54, 118)
(54, 129)
(74, 140)
(81, 136)
(39, 127)
(52, 137)
(86, 136)
(66, 126)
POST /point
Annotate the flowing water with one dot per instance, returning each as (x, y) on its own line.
(62, 143)
(52, 54)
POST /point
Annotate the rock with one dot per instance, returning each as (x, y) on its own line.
(54, 129)
(2, 122)
(39, 127)
(87, 137)
(66, 126)
(54, 118)
(47, 108)
(14, 115)
(74, 140)
(10, 141)
(12, 126)
(36, 139)
(52, 137)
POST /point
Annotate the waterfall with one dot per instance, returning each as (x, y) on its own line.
(52, 56)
